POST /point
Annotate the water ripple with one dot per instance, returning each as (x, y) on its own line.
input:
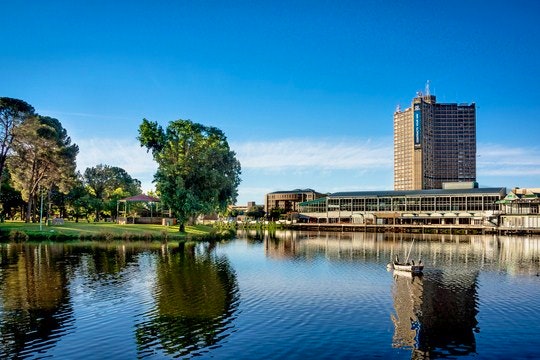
(326, 296)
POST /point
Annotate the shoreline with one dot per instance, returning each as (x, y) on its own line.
(421, 229)
(22, 232)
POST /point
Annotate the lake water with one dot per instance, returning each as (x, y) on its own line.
(285, 295)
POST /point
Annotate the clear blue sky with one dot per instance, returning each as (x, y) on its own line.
(304, 90)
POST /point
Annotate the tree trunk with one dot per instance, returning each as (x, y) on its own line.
(182, 227)
(28, 210)
(35, 208)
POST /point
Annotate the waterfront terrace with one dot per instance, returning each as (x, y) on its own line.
(470, 206)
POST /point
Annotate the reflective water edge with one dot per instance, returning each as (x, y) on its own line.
(273, 295)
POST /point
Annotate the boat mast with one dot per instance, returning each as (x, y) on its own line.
(409, 253)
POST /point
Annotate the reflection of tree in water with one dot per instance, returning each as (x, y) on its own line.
(448, 314)
(196, 297)
(106, 261)
(252, 235)
(435, 315)
(35, 299)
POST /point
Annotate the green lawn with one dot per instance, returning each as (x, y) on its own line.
(84, 230)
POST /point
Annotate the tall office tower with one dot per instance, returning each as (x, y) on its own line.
(434, 144)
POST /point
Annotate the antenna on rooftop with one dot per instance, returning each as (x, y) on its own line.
(427, 88)
(398, 108)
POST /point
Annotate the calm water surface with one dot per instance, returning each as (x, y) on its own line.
(285, 295)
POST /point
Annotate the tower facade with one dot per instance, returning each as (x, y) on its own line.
(434, 144)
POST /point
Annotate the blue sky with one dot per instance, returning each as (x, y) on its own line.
(304, 90)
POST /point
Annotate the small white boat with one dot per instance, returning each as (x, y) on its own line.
(406, 267)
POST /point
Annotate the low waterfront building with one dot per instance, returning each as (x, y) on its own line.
(288, 200)
(467, 206)
(240, 212)
(243, 208)
(521, 209)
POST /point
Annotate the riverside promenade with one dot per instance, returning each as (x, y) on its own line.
(408, 228)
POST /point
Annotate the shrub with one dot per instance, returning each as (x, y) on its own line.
(85, 237)
(227, 233)
(18, 236)
(128, 236)
(58, 237)
(107, 236)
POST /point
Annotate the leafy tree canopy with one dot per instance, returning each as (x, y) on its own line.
(256, 212)
(43, 156)
(12, 113)
(197, 172)
(109, 183)
(10, 198)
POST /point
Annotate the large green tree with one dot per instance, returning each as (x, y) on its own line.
(107, 184)
(43, 157)
(197, 171)
(12, 113)
(10, 198)
(78, 199)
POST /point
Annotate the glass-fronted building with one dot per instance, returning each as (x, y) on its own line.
(288, 200)
(436, 206)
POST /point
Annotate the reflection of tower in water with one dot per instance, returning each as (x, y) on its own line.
(407, 293)
(435, 315)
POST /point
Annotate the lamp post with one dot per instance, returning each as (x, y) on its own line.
(41, 213)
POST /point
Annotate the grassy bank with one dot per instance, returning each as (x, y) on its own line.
(20, 231)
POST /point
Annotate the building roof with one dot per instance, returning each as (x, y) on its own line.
(295, 191)
(521, 196)
(320, 200)
(439, 192)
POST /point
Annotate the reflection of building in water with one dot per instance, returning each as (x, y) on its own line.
(516, 255)
(520, 255)
(306, 244)
(435, 315)
(407, 294)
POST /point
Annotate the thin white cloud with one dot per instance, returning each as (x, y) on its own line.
(326, 155)
(361, 187)
(60, 114)
(352, 164)
(123, 153)
(364, 155)
(300, 158)
(512, 161)
(251, 191)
